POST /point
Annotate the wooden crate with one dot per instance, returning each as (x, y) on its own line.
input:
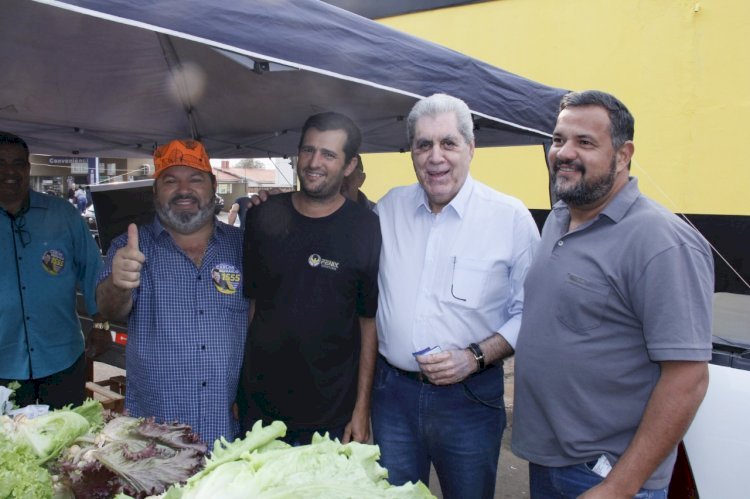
(110, 399)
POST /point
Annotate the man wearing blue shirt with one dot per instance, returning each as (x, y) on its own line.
(178, 281)
(454, 257)
(47, 251)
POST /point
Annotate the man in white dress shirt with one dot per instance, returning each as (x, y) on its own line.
(454, 257)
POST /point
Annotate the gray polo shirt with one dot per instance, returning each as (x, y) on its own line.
(604, 304)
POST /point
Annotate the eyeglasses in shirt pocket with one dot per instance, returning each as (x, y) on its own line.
(468, 281)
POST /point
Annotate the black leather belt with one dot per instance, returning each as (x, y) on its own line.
(416, 376)
(421, 377)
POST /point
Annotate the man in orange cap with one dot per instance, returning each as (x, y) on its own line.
(185, 335)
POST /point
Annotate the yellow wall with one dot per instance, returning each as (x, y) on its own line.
(680, 66)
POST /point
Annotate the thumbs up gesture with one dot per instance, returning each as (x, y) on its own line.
(128, 262)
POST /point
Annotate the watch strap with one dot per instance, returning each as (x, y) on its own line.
(478, 354)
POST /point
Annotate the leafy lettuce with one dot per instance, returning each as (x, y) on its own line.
(27, 444)
(260, 466)
(21, 476)
(130, 455)
(47, 435)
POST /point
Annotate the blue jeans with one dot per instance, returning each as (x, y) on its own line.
(568, 482)
(457, 428)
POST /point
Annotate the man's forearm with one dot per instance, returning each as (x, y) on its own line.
(367, 357)
(495, 348)
(114, 303)
(668, 414)
(358, 428)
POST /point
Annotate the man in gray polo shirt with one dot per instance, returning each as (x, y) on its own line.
(611, 356)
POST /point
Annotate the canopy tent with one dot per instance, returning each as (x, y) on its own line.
(116, 77)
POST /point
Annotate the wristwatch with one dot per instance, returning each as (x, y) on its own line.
(478, 354)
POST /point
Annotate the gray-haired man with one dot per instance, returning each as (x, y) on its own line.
(455, 254)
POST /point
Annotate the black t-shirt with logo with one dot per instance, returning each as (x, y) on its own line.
(311, 279)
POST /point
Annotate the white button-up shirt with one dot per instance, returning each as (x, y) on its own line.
(451, 278)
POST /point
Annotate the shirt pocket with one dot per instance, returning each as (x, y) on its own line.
(468, 281)
(582, 303)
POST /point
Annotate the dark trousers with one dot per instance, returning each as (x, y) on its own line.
(56, 390)
(295, 437)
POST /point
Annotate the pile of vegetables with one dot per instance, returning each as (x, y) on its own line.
(27, 444)
(71, 453)
(129, 455)
(260, 466)
(20, 473)
(85, 452)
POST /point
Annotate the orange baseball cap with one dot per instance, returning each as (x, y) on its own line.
(181, 152)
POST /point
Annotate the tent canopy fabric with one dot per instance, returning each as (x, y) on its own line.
(116, 77)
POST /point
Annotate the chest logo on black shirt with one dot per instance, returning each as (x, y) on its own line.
(53, 261)
(315, 260)
(226, 278)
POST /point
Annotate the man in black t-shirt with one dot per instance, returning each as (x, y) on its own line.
(311, 261)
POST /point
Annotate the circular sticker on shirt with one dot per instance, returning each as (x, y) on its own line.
(226, 278)
(53, 261)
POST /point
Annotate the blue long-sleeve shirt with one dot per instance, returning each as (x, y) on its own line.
(46, 251)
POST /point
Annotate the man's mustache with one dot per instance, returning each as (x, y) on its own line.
(180, 197)
(571, 164)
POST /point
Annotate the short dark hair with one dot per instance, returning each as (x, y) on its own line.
(11, 139)
(621, 122)
(360, 165)
(335, 121)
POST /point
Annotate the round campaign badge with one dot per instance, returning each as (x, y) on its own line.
(53, 261)
(226, 278)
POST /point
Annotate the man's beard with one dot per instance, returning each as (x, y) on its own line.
(325, 191)
(184, 222)
(585, 192)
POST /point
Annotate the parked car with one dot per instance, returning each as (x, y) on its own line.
(717, 444)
